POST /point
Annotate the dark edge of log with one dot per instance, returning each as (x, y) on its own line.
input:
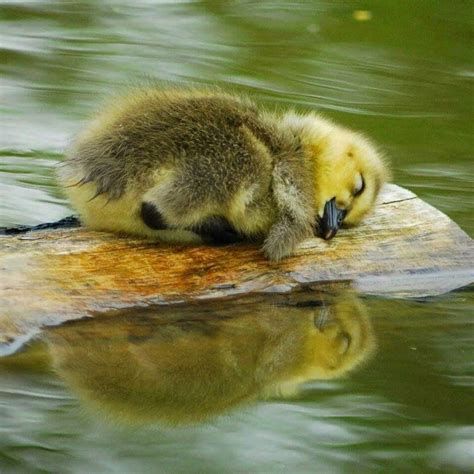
(68, 222)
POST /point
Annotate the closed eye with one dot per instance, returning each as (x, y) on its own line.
(360, 187)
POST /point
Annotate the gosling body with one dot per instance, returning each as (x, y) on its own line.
(187, 166)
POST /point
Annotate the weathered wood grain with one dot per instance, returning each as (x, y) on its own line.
(406, 248)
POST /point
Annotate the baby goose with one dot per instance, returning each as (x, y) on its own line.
(192, 165)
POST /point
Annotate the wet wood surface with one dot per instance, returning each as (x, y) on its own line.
(407, 248)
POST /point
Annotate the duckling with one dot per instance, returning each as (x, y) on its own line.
(192, 165)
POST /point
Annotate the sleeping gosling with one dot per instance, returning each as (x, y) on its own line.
(203, 165)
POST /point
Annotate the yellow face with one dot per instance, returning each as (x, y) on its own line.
(349, 176)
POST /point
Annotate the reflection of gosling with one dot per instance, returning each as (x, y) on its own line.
(190, 364)
(215, 164)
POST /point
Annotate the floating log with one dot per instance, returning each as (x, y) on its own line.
(407, 248)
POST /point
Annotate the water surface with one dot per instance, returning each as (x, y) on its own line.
(402, 73)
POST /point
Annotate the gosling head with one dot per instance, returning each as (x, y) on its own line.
(349, 173)
(349, 176)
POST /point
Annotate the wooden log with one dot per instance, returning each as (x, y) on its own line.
(406, 248)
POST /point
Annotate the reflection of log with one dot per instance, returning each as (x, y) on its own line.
(406, 248)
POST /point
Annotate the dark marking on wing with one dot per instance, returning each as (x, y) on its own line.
(152, 217)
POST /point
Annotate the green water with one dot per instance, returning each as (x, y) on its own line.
(403, 76)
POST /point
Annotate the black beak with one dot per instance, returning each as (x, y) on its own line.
(332, 220)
